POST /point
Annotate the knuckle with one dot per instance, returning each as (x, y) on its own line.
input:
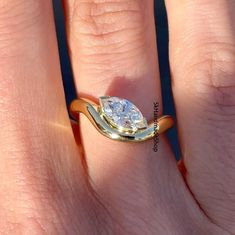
(209, 72)
(216, 63)
(110, 35)
(103, 23)
(212, 76)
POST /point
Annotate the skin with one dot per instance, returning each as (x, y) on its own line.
(54, 183)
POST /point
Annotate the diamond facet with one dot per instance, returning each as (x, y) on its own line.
(122, 114)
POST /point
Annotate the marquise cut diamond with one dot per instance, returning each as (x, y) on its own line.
(122, 114)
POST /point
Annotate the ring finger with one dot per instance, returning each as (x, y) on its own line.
(113, 52)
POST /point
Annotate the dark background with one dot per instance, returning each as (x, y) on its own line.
(162, 42)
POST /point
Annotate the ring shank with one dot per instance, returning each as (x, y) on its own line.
(90, 110)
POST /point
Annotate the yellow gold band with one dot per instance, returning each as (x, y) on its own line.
(92, 112)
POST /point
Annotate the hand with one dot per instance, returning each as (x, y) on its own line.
(52, 184)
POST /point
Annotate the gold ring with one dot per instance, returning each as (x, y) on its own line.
(119, 119)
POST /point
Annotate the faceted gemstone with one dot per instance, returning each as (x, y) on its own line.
(122, 114)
